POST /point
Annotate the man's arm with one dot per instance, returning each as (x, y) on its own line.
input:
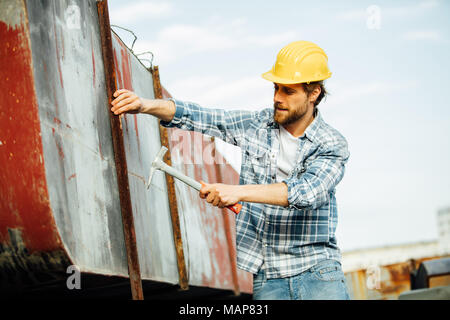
(128, 102)
(222, 195)
(310, 190)
(227, 125)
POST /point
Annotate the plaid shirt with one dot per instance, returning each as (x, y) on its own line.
(284, 241)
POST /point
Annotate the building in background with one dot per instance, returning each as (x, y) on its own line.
(443, 220)
(384, 272)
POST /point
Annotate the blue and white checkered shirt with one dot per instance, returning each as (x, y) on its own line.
(285, 241)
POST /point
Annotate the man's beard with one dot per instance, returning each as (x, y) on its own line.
(289, 116)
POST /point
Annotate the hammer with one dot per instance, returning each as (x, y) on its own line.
(159, 164)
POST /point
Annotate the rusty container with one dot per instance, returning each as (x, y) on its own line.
(60, 195)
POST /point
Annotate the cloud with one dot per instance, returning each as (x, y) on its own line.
(269, 40)
(180, 40)
(133, 12)
(342, 94)
(422, 35)
(389, 12)
(243, 93)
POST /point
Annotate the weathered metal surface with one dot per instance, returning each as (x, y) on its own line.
(384, 282)
(24, 200)
(438, 293)
(203, 227)
(29, 239)
(76, 134)
(227, 226)
(119, 154)
(59, 193)
(182, 273)
(150, 206)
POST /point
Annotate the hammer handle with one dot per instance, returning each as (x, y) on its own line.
(236, 208)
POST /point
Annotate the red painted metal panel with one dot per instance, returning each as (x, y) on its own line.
(209, 231)
(24, 200)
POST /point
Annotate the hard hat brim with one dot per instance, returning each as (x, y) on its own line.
(273, 78)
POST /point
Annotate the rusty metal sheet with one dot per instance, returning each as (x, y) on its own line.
(76, 133)
(204, 237)
(203, 226)
(142, 141)
(119, 154)
(60, 193)
(383, 282)
(24, 200)
(29, 239)
(227, 174)
(177, 238)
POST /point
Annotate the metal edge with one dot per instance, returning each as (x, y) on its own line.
(227, 226)
(119, 154)
(182, 272)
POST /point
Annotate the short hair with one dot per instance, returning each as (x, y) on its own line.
(309, 88)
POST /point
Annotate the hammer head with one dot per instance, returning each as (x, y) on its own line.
(156, 164)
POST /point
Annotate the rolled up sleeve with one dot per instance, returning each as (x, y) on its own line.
(228, 125)
(177, 118)
(311, 187)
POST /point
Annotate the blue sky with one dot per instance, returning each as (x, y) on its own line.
(388, 91)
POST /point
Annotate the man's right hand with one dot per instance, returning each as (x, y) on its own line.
(126, 101)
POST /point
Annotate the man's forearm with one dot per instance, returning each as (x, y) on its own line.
(162, 109)
(127, 101)
(275, 194)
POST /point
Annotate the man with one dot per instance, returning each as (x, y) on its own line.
(292, 161)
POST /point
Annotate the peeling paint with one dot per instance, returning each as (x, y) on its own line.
(72, 17)
(12, 15)
(24, 201)
(64, 197)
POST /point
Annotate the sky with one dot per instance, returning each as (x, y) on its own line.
(388, 91)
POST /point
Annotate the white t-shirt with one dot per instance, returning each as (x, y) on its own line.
(287, 155)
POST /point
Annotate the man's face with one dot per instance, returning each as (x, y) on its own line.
(290, 103)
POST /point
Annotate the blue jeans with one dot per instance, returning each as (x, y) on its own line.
(324, 281)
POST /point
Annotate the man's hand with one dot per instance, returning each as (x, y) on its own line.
(219, 194)
(126, 101)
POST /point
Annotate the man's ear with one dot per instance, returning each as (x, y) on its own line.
(315, 94)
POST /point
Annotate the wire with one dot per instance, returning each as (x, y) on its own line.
(135, 37)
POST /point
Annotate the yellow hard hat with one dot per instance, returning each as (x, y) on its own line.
(298, 62)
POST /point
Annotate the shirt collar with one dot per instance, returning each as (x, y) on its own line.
(311, 131)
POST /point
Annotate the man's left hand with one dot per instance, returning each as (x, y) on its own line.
(219, 194)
